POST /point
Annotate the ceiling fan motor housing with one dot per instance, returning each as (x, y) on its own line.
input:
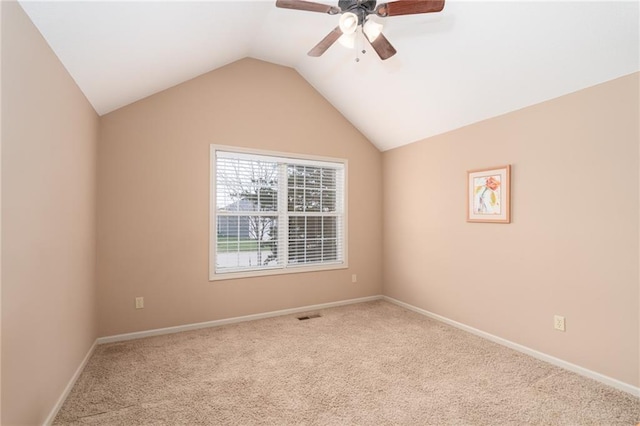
(359, 7)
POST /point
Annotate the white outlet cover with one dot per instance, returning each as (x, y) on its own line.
(559, 323)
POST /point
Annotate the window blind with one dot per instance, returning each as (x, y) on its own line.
(276, 212)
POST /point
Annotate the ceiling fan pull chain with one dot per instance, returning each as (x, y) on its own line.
(361, 47)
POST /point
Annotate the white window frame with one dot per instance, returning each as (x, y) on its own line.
(284, 268)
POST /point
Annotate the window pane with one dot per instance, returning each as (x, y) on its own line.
(328, 201)
(329, 250)
(314, 251)
(312, 177)
(328, 179)
(314, 227)
(329, 241)
(311, 189)
(312, 239)
(245, 186)
(246, 242)
(329, 225)
(312, 200)
(295, 176)
(295, 188)
(296, 239)
(296, 199)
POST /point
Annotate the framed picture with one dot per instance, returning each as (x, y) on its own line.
(488, 195)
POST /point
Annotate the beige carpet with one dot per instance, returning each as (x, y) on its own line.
(367, 364)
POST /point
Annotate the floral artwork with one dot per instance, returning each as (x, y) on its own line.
(486, 199)
(488, 195)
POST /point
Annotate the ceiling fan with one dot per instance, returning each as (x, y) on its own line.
(355, 13)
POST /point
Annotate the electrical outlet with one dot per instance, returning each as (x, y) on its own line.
(354, 278)
(558, 323)
(139, 302)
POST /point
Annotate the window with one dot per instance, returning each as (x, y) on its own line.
(275, 213)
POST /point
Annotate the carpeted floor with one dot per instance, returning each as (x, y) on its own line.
(366, 364)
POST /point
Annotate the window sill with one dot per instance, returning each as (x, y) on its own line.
(268, 272)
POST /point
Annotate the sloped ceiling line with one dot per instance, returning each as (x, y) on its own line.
(472, 61)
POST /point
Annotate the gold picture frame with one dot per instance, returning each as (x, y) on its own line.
(489, 195)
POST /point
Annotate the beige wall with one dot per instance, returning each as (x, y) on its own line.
(153, 186)
(1, 217)
(572, 246)
(49, 141)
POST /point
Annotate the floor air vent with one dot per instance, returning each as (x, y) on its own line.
(306, 317)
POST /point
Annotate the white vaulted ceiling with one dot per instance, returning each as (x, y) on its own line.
(473, 61)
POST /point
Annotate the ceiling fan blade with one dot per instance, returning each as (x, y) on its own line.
(381, 45)
(325, 43)
(308, 5)
(409, 7)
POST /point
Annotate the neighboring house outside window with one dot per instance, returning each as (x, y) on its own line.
(274, 213)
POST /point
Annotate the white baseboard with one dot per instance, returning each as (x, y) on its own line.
(54, 412)
(633, 390)
(217, 323)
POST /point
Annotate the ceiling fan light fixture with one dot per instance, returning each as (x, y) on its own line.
(372, 29)
(348, 40)
(348, 23)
